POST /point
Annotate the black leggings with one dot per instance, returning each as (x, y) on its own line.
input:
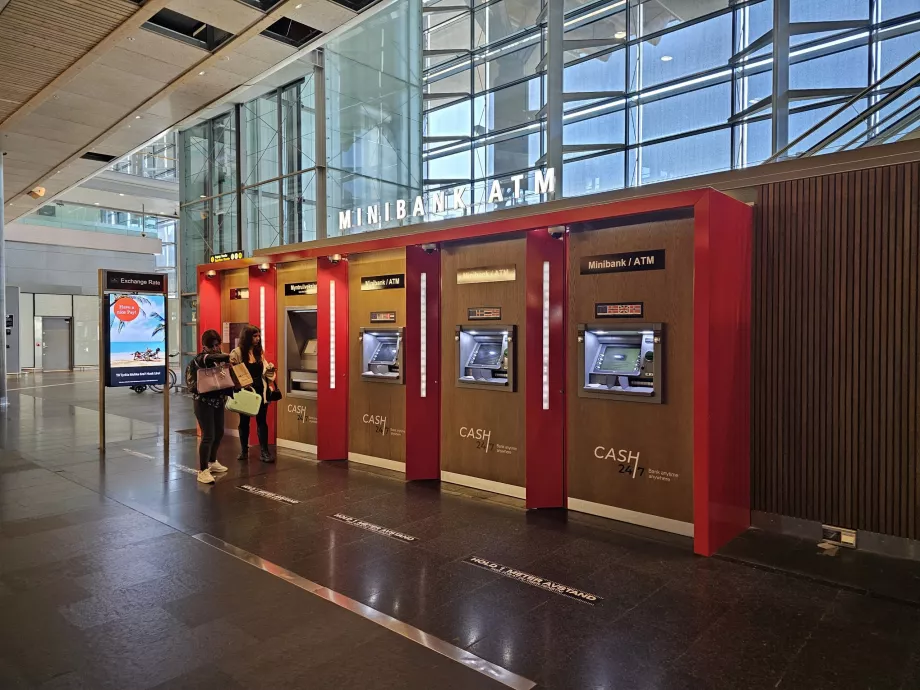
(261, 428)
(211, 422)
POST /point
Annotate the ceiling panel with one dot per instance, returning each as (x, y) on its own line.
(142, 65)
(112, 85)
(87, 111)
(266, 50)
(322, 14)
(55, 129)
(39, 40)
(229, 15)
(163, 48)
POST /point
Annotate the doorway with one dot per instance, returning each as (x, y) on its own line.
(56, 340)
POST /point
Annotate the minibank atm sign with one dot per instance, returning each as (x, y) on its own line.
(652, 260)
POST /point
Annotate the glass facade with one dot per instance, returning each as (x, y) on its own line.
(157, 160)
(430, 109)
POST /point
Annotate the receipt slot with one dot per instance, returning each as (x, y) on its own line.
(486, 357)
(382, 358)
(620, 363)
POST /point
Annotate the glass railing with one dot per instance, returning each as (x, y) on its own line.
(95, 219)
(156, 161)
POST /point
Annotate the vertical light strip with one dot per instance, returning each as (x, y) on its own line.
(262, 312)
(331, 334)
(546, 335)
(423, 336)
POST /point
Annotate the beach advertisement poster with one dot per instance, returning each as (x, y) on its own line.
(136, 340)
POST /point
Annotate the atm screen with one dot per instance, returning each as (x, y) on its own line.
(385, 354)
(487, 355)
(618, 359)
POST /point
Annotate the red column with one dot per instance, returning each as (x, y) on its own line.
(722, 371)
(263, 312)
(208, 305)
(332, 389)
(545, 408)
(423, 408)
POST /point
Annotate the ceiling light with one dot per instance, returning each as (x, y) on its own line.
(137, 117)
(95, 203)
(202, 197)
(297, 7)
(201, 74)
(620, 34)
(120, 194)
(666, 58)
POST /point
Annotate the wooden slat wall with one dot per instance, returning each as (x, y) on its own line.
(835, 350)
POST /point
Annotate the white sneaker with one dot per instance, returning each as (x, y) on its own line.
(216, 467)
(205, 477)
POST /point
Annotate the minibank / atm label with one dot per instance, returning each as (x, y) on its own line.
(392, 281)
(484, 314)
(651, 260)
(383, 317)
(291, 289)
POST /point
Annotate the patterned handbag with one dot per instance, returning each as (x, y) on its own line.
(211, 379)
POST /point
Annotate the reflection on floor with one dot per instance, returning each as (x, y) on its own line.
(103, 585)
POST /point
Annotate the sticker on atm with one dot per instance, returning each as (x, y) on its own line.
(484, 314)
(618, 310)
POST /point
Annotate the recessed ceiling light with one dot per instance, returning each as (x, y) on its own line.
(202, 197)
(120, 194)
(95, 203)
(297, 7)
(666, 58)
(130, 38)
(137, 117)
(620, 34)
(201, 74)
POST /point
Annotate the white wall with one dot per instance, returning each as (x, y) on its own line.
(63, 269)
(26, 328)
(54, 236)
(86, 330)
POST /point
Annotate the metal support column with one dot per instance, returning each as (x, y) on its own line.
(780, 74)
(4, 401)
(555, 61)
(319, 128)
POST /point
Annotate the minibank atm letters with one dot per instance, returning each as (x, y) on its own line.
(382, 354)
(485, 356)
(620, 362)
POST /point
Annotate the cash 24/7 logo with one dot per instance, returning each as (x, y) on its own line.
(379, 422)
(629, 460)
(482, 437)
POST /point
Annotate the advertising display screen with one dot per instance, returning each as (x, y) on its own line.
(136, 340)
(617, 359)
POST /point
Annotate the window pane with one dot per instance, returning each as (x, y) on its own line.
(753, 142)
(678, 114)
(603, 23)
(224, 179)
(260, 119)
(800, 122)
(849, 68)
(692, 49)
(897, 8)
(608, 128)
(454, 120)
(261, 208)
(298, 119)
(503, 19)
(508, 107)
(594, 175)
(300, 208)
(223, 225)
(896, 51)
(654, 15)
(508, 66)
(604, 73)
(507, 156)
(453, 166)
(694, 155)
(195, 150)
(828, 10)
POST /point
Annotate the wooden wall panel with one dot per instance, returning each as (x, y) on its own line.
(835, 350)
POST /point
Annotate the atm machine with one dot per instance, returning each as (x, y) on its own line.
(301, 348)
(382, 355)
(620, 363)
(486, 357)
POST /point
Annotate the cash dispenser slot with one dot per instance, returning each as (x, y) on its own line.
(382, 355)
(301, 346)
(486, 357)
(621, 362)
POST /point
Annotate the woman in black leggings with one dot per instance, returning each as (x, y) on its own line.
(209, 407)
(262, 372)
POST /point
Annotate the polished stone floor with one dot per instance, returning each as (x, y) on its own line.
(103, 583)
